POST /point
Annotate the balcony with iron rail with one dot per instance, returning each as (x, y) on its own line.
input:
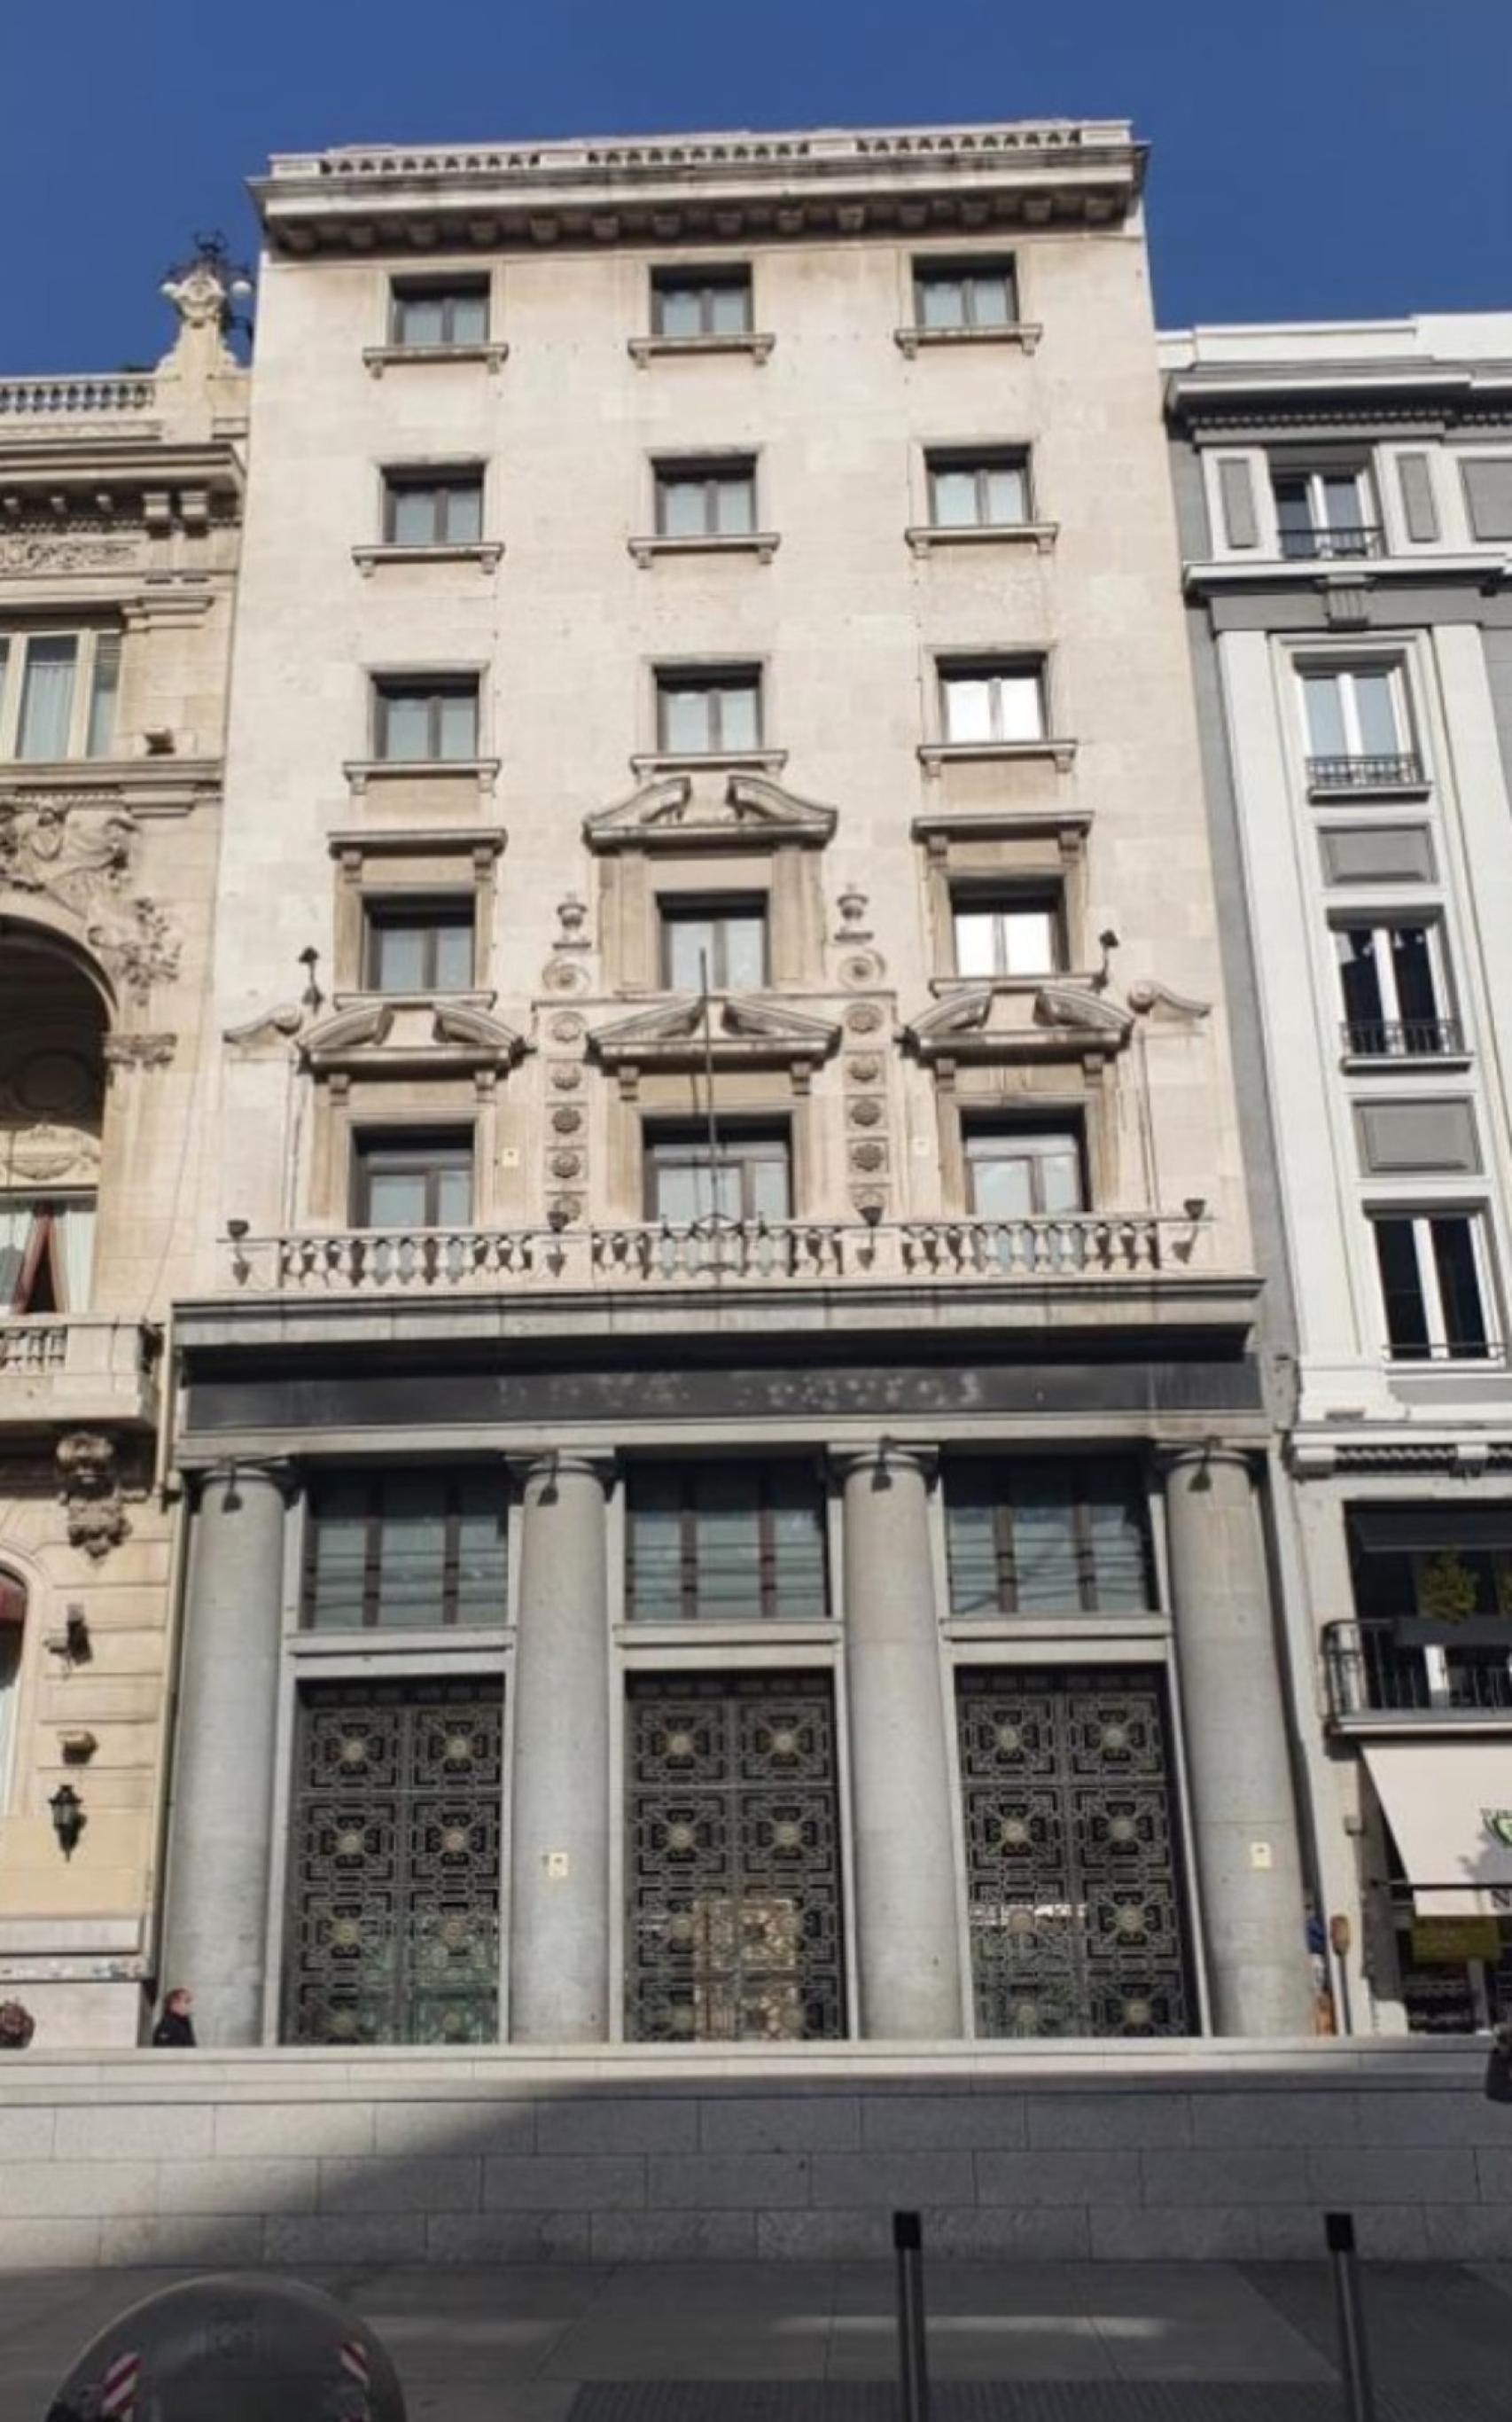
(61, 1368)
(1412, 1038)
(708, 1254)
(1400, 773)
(1419, 1673)
(1352, 544)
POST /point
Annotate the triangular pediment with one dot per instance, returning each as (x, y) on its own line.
(960, 1013)
(738, 809)
(334, 1039)
(473, 1032)
(739, 1026)
(1082, 1009)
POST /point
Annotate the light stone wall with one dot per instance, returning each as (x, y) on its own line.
(1160, 2154)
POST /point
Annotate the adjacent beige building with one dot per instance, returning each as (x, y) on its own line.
(120, 503)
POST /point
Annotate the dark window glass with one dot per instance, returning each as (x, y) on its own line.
(1047, 1539)
(414, 1181)
(728, 938)
(747, 1174)
(433, 512)
(1460, 1293)
(725, 1543)
(1401, 1287)
(439, 315)
(425, 722)
(405, 1551)
(419, 945)
(711, 303)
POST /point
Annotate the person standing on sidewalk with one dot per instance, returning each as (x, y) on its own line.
(174, 2029)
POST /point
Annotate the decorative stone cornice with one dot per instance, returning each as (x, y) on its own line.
(742, 1029)
(747, 809)
(719, 187)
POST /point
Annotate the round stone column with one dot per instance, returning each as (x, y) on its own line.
(221, 1814)
(902, 1821)
(559, 1830)
(1243, 1810)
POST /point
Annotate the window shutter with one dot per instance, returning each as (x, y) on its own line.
(1416, 474)
(1237, 489)
(1489, 496)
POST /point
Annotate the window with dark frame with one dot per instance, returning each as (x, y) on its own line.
(425, 312)
(974, 293)
(978, 491)
(1434, 1285)
(430, 720)
(1394, 988)
(725, 1543)
(1047, 1536)
(433, 508)
(728, 937)
(419, 944)
(1325, 515)
(1025, 1170)
(708, 713)
(1016, 930)
(412, 1178)
(743, 1172)
(405, 1551)
(701, 303)
(992, 700)
(706, 499)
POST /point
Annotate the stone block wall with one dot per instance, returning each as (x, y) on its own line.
(1150, 2153)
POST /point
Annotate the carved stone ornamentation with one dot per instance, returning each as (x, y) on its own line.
(48, 1154)
(670, 812)
(139, 948)
(90, 1488)
(267, 1032)
(1147, 993)
(73, 855)
(1080, 1007)
(44, 552)
(139, 1050)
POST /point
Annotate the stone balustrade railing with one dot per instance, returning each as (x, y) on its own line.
(76, 1367)
(709, 1253)
(33, 1345)
(89, 397)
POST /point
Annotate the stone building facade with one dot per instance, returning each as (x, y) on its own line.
(726, 1454)
(1346, 504)
(120, 522)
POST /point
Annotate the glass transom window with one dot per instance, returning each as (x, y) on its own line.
(725, 1543)
(1048, 1537)
(405, 1551)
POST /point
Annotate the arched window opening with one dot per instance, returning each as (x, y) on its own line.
(52, 1091)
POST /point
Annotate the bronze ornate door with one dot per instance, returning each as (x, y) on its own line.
(393, 1904)
(1077, 1911)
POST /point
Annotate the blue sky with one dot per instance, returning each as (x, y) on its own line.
(1312, 158)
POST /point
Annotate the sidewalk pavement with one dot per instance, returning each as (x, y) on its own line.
(814, 2341)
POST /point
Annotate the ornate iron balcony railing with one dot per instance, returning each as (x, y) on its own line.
(1412, 1038)
(710, 1252)
(1403, 772)
(1332, 545)
(1378, 1667)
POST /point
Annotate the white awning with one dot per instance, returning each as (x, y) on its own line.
(1449, 1805)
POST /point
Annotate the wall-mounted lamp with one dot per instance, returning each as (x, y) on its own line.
(67, 1817)
(78, 1747)
(312, 996)
(1106, 943)
(71, 1640)
(238, 1230)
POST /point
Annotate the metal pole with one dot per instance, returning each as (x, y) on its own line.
(912, 2360)
(1354, 2349)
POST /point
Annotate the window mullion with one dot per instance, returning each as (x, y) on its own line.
(1427, 1278)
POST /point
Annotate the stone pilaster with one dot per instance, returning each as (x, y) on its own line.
(221, 1820)
(1243, 1804)
(559, 1830)
(903, 1824)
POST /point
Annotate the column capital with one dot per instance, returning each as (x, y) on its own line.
(235, 1471)
(564, 1463)
(1202, 1453)
(887, 1454)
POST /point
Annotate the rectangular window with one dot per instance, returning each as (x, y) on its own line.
(46, 1252)
(1015, 932)
(1325, 515)
(742, 1173)
(426, 721)
(978, 491)
(413, 1180)
(725, 1543)
(714, 713)
(419, 945)
(1358, 732)
(1024, 1173)
(993, 700)
(965, 294)
(432, 314)
(726, 937)
(1042, 1537)
(706, 499)
(405, 1551)
(439, 508)
(47, 699)
(1396, 1001)
(701, 303)
(1434, 1285)
(57, 694)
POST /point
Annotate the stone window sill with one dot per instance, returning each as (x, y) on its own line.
(483, 772)
(1023, 333)
(763, 545)
(646, 348)
(712, 761)
(924, 537)
(379, 358)
(485, 552)
(933, 754)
